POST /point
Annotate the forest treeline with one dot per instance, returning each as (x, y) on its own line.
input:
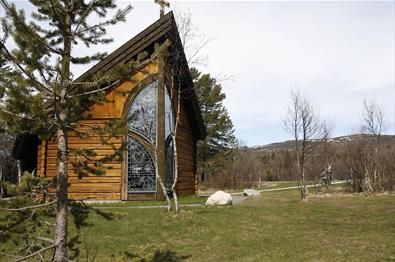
(347, 156)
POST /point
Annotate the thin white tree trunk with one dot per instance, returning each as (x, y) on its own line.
(174, 138)
(159, 179)
(19, 167)
(303, 190)
(173, 187)
(367, 182)
(1, 182)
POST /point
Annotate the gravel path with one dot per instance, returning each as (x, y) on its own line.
(238, 197)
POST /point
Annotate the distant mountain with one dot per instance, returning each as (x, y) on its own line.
(289, 144)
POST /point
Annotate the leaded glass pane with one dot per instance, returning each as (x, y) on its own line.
(142, 113)
(169, 115)
(141, 168)
(169, 177)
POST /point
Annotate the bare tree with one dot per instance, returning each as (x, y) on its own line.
(304, 125)
(372, 127)
(192, 38)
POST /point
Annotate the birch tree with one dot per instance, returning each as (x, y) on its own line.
(373, 125)
(303, 123)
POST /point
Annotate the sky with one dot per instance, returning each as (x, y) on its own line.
(336, 53)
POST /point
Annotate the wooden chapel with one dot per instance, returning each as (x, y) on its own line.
(133, 178)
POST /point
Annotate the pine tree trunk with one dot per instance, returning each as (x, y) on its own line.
(61, 190)
(61, 214)
(62, 154)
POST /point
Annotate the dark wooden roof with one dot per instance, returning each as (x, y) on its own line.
(157, 32)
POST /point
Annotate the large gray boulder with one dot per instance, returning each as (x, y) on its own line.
(251, 192)
(220, 198)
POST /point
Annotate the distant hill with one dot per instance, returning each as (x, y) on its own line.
(288, 145)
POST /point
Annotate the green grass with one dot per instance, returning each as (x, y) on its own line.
(273, 227)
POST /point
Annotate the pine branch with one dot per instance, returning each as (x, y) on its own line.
(82, 18)
(16, 115)
(55, 13)
(33, 33)
(95, 91)
(28, 207)
(137, 68)
(14, 61)
(118, 17)
(9, 255)
(45, 239)
(36, 253)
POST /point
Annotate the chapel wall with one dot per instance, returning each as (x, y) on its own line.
(186, 150)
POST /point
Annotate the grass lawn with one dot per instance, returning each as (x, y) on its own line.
(273, 227)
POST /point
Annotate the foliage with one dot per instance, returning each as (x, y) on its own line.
(26, 217)
(41, 95)
(214, 152)
(20, 222)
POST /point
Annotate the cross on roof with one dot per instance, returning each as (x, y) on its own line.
(162, 4)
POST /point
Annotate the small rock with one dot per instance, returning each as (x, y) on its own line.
(251, 192)
(219, 198)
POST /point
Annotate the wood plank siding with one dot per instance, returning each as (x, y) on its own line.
(111, 185)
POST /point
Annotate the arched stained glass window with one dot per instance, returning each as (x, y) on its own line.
(141, 168)
(142, 119)
(142, 113)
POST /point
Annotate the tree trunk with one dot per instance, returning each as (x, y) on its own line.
(303, 189)
(159, 179)
(18, 164)
(1, 182)
(62, 153)
(174, 138)
(61, 190)
(173, 187)
(367, 183)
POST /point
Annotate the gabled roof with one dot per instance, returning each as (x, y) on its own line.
(157, 32)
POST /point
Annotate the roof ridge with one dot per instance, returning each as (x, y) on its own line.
(127, 45)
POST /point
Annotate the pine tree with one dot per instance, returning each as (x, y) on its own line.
(214, 150)
(40, 95)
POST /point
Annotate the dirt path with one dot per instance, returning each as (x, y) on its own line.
(238, 197)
